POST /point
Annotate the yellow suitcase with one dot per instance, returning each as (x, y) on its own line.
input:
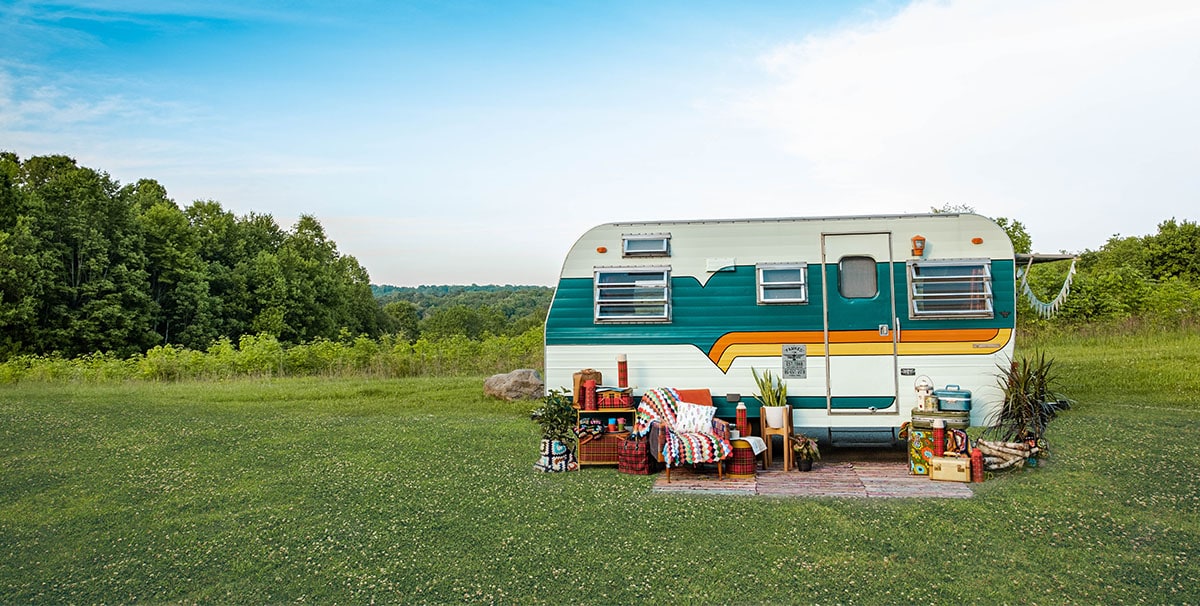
(950, 469)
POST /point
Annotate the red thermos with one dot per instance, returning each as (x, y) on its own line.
(976, 465)
(743, 425)
(622, 371)
(589, 395)
(939, 437)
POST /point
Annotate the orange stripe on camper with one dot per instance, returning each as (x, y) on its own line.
(858, 343)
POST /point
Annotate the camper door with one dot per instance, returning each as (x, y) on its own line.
(859, 292)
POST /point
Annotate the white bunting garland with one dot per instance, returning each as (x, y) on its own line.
(1046, 310)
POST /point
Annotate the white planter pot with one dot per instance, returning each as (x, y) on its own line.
(775, 416)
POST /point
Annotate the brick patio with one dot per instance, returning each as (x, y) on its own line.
(840, 474)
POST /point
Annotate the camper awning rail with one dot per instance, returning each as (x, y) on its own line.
(1027, 258)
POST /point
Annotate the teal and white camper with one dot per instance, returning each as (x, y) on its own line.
(850, 311)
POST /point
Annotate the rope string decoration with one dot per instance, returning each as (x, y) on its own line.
(1046, 310)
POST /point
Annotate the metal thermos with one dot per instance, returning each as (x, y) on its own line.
(622, 372)
(939, 437)
(589, 395)
(976, 465)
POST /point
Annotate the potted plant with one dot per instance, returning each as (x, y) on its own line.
(1030, 399)
(556, 416)
(805, 451)
(773, 396)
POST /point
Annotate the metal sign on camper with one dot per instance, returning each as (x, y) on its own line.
(795, 361)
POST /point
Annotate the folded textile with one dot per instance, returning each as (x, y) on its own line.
(587, 433)
(757, 444)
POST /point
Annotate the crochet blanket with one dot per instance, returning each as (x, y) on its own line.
(657, 407)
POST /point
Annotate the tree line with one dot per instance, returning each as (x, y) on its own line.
(89, 265)
(1151, 280)
(474, 311)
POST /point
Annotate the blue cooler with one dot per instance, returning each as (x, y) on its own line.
(953, 397)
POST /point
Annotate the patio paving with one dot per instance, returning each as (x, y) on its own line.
(845, 473)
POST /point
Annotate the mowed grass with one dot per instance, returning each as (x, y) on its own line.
(422, 490)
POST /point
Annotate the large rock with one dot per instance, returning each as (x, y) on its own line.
(524, 383)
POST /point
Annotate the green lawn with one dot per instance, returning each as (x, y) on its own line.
(421, 490)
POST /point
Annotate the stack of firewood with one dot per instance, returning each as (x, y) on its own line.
(1005, 455)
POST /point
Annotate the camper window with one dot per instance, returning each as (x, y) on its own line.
(950, 289)
(646, 245)
(633, 295)
(782, 283)
(857, 278)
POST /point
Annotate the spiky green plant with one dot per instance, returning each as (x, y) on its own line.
(1030, 399)
(770, 393)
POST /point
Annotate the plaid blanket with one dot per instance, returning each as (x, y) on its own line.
(657, 407)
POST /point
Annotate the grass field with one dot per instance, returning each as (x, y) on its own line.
(421, 490)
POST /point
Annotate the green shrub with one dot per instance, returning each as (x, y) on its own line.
(264, 355)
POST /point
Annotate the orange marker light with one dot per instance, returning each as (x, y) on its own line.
(918, 246)
(976, 240)
(601, 249)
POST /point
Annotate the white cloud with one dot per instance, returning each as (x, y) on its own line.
(1076, 117)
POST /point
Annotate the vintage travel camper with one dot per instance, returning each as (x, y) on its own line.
(850, 311)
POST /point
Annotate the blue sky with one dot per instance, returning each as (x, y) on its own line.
(472, 142)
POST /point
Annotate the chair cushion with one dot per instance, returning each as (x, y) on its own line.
(697, 396)
(694, 418)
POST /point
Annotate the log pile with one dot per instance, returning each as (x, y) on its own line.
(1005, 455)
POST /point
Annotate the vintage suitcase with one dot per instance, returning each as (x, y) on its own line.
(950, 469)
(953, 397)
(920, 450)
(577, 381)
(954, 419)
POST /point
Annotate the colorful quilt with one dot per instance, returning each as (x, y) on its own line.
(657, 407)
